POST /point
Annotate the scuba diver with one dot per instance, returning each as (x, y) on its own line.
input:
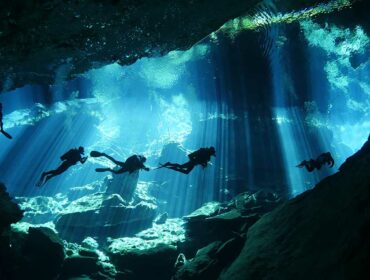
(70, 158)
(312, 164)
(199, 157)
(7, 135)
(132, 164)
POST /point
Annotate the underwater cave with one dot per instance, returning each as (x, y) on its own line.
(185, 140)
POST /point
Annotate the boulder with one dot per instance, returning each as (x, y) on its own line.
(145, 264)
(202, 266)
(150, 253)
(79, 265)
(90, 243)
(210, 260)
(38, 254)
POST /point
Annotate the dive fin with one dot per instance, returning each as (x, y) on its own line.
(96, 154)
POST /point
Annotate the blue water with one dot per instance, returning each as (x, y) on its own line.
(263, 112)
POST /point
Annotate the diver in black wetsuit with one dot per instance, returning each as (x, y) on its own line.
(312, 164)
(132, 164)
(1, 124)
(199, 157)
(70, 158)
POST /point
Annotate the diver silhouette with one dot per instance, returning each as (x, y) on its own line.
(7, 135)
(312, 164)
(70, 158)
(133, 163)
(199, 157)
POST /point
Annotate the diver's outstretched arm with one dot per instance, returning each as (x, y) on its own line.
(83, 160)
(142, 166)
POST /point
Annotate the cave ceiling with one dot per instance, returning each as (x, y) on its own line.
(39, 38)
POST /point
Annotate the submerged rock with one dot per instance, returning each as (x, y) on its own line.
(42, 209)
(161, 219)
(321, 234)
(90, 243)
(202, 266)
(9, 213)
(112, 207)
(146, 263)
(36, 254)
(105, 216)
(169, 233)
(9, 210)
(80, 265)
(150, 252)
(215, 221)
(210, 260)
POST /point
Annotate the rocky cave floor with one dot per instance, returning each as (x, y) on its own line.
(94, 233)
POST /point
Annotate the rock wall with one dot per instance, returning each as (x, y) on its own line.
(321, 234)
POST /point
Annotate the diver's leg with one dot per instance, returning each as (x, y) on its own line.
(302, 164)
(169, 164)
(103, 170)
(177, 169)
(183, 168)
(120, 171)
(311, 165)
(42, 178)
(120, 163)
(190, 169)
(52, 173)
(329, 160)
(318, 165)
